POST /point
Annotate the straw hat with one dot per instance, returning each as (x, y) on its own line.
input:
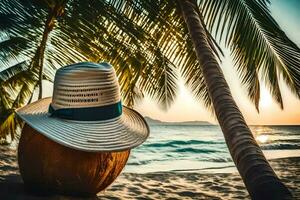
(86, 112)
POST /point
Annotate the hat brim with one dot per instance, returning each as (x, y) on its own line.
(117, 134)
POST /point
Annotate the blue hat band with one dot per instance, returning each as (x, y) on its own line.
(88, 113)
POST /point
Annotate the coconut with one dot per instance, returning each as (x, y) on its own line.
(49, 167)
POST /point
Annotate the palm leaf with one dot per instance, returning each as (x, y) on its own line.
(194, 81)
(133, 38)
(259, 46)
(9, 125)
(122, 32)
(24, 93)
(161, 83)
(13, 71)
(11, 48)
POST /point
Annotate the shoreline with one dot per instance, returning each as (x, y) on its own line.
(156, 185)
(210, 167)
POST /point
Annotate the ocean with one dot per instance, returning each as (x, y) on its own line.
(202, 148)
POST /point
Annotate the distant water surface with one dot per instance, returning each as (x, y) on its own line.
(202, 148)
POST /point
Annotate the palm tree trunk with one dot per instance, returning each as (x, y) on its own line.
(39, 56)
(258, 176)
(38, 59)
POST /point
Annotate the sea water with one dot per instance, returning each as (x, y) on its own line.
(203, 148)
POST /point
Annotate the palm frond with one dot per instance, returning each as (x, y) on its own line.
(161, 83)
(257, 43)
(132, 38)
(194, 81)
(12, 45)
(8, 120)
(122, 33)
(25, 92)
(11, 48)
(5, 100)
(13, 70)
(250, 79)
(9, 125)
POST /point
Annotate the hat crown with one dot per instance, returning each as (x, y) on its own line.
(85, 84)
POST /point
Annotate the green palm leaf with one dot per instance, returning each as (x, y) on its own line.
(161, 83)
(9, 125)
(11, 71)
(11, 48)
(261, 50)
(129, 45)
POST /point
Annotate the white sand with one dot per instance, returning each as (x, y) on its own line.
(164, 185)
(169, 185)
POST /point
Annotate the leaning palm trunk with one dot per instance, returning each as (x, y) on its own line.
(38, 60)
(258, 176)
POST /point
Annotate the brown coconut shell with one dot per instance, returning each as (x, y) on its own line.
(47, 166)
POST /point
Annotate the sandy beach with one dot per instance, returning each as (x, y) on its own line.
(125, 100)
(163, 185)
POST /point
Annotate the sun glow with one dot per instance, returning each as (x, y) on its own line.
(262, 138)
(265, 98)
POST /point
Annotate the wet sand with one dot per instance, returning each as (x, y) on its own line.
(164, 185)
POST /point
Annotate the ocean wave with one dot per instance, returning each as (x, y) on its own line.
(177, 143)
(280, 146)
(194, 150)
(178, 159)
(290, 141)
(221, 160)
(189, 148)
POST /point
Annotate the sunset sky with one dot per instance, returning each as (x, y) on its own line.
(287, 14)
(185, 108)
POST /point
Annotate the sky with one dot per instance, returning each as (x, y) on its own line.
(185, 108)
